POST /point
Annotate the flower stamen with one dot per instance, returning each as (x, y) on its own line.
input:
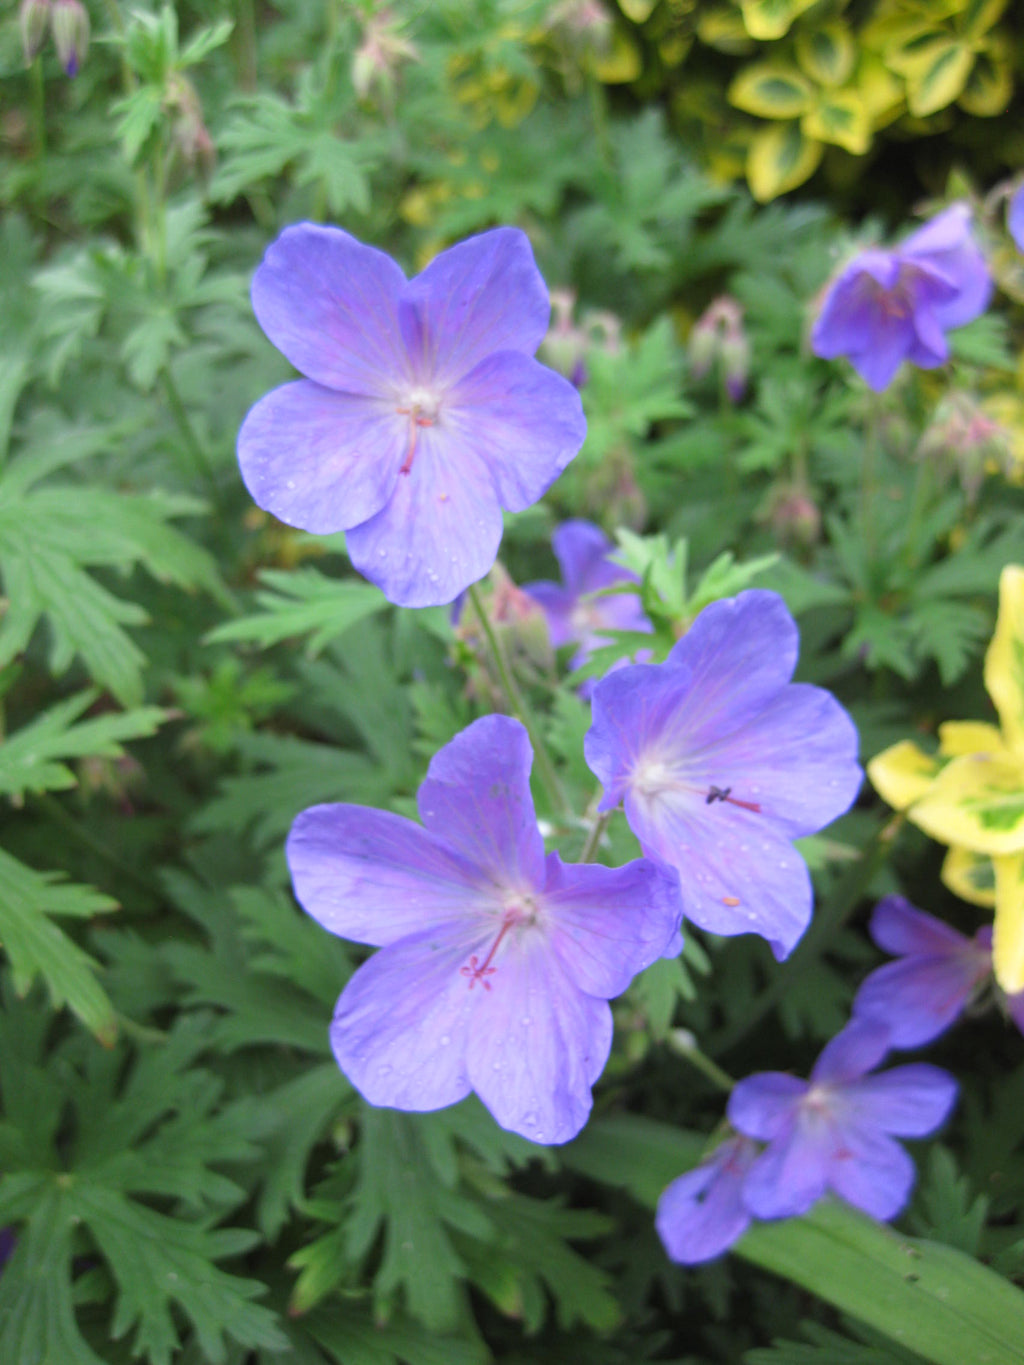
(479, 971)
(722, 794)
(416, 420)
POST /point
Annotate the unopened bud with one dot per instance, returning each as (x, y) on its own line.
(735, 355)
(718, 337)
(703, 347)
(71, 34)
(33, 17)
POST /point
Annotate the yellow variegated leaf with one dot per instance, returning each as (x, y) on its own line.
(826, 53)
(936, 74)
(958, 737)
(637, 10)
(1008, 931)
(979, 15)
(989, 87)
(902, 774)
(971, 876)
(841, 118)
(723, 30)
(621, 63)
(882, 92)
(1004, 661)
(768, 19)
(976, 801)
(779, 159)
(771, 90)
(897, 37)
(675, 48)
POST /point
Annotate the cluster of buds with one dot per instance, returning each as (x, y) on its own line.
(718, 338)
(568, 343)
(962, 434)
(378, 57)
(67, 20)
(582, 28)
(520, 627)
(793, 515)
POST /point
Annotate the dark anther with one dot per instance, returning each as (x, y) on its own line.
(717, 794)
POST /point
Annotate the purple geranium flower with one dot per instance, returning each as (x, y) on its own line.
(939, 971)
(1015, 217)
(423, 412)
(836, 1130)
(702, 1213)
(721, 761)
(573, 613)
(496, 962)
(890, 306)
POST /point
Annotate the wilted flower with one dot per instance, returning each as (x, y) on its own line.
(836, 1130)
(1015, 217)
(423, 413)
(575, 614)
(496, 963)
(720, 762)
(70, 23)
(702, 1213)
(889, 306)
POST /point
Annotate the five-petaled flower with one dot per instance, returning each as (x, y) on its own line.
(575, 612)
(889, 306)
(835, 1131)
(721, 761)
(496, 962)
(422, 413)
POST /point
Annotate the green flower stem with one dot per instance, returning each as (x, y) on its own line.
(247, 52)
(517, 701)
(38, 108)
(594, 837)
(200, 460)
(869, 477)
(685, 1046)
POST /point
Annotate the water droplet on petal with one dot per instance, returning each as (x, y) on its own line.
(445, 1040)
(290, 483)
(384, 1071)
(530, 1120)
(382, 554)
(526, 1020)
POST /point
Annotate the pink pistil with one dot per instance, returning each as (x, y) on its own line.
(479, 971)
(416, 420)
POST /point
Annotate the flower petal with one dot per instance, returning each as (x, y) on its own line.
(522, 421)
(918, 998)
(1015, 218)
(884, 350)
(483, 295)
(908, 1101)
(581, 549)
(872, 1173)
(376, 877)
(860, 1046)
(537, 1045)
(790, 1175)
(1008, 935)
(702, 1213)
(765, 1105)
(439, 532)
(320, 460)
(900, 928)
(477, 798)
(330, 304)
(557, 605)
(738, 875)
(401, 1024)
(607, 923)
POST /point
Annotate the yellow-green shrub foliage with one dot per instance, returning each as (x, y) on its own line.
(768, 87)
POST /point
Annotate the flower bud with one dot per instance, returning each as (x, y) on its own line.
(718, 338)
(33, 17)
(735, 357)
(71, 34)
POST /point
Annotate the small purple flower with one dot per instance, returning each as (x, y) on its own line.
(836, 1130)
(1015, 217)
(496, 962)
(720, 762)
(573, 613)
(938, 973)
(423, 412)
(702, 1213)
(890, 306)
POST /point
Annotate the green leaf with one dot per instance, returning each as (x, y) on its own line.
(303, 602)
(826, 53)
(779, 159)
(30, 759)
(35, 947)
(771, 90)
(766, 20)
(353, 1337)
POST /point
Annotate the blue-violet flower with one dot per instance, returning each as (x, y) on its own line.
(422, 413)
(836, 1130)
(889, 306)
(702, 1213)
(496, 963)
(720, 762)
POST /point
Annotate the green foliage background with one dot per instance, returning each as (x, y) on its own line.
(186, 1174)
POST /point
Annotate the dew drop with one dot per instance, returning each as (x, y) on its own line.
(445, 1040)
(496, 1066)
(382, 554)
(526, 1020)
(530, 1120)
(290, 483)
(384, 1071)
